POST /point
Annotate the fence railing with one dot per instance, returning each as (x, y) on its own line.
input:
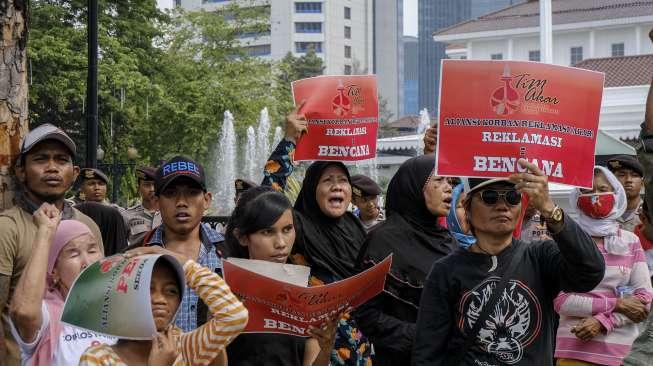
(214, 221)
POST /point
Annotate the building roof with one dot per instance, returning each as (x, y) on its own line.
(455, 46)
(622, 71)
(527, 14)
(405, 122)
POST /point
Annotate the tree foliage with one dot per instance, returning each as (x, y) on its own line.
(292, 68)
(165, 79)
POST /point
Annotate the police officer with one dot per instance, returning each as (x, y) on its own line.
(241, 186)
(365, 196)
(92, 186)
(630, 173)
(144, 216)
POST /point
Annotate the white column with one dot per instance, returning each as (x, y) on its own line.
(509, 54)
(590, 52)
(546, 32)
(638, 41)
(469, 50)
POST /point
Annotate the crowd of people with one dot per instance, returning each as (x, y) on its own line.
(484, 271)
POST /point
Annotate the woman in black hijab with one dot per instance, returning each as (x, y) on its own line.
(331, 236)
(111, 223)
(415, 200)
(328, 237)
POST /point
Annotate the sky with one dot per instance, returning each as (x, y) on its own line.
(410, 17)
(164, 4)
(410, 14)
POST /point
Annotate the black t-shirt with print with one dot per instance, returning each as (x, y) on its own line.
(520, 330)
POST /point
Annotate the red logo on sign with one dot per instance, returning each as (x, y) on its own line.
(341, 104)
(505, 99)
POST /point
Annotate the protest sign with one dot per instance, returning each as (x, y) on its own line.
(494, 112)
(279, 307)
(342, 114)
(284, 272)
(112, 296)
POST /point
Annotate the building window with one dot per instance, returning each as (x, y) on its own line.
(255, 35)
(308, 27)
(534, 55)
(463, 57)
(347, 12)
(306, 7)
(347, 51)
(347, 69)
(576, 55)
(303, 47)
(617, 49)
(262, 50)
(347, 32)
(496, 56)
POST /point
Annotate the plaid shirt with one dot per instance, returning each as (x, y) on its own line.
(188, 309)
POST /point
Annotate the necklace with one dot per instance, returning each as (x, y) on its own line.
(493, 257)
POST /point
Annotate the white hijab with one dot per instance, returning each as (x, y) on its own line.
(608, 227)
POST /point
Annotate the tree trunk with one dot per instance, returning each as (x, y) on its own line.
(13, 92)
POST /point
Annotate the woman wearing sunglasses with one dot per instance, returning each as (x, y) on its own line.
(598, 327)
(492, 303)
(416, 199)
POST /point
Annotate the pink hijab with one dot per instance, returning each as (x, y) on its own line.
(66, 231)
(47, 347)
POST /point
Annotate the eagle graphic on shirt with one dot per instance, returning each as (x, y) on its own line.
(513, 324)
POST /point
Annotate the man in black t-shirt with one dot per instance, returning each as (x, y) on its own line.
(519, 328)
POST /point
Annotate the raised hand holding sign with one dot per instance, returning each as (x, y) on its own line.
(296, 123)
(501, 111)
(340, 115)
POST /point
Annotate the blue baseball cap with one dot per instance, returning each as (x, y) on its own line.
(179, 167)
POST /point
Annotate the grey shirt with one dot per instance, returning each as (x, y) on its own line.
(141, 221)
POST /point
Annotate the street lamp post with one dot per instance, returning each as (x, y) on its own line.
(91, 86)
(117, 169)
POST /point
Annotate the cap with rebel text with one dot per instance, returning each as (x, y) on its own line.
(179, 167)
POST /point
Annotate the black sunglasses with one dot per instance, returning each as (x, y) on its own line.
(491, 197)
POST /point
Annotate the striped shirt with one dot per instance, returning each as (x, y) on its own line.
(611, 346)
(202, 345)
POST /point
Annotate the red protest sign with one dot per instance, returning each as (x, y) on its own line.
(279, 307)
(342, 114)
(494, 112)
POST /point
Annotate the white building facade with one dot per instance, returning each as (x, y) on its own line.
(572, 43)
(340, 31)
(389, 53)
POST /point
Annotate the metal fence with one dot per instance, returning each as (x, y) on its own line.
(214, 221)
